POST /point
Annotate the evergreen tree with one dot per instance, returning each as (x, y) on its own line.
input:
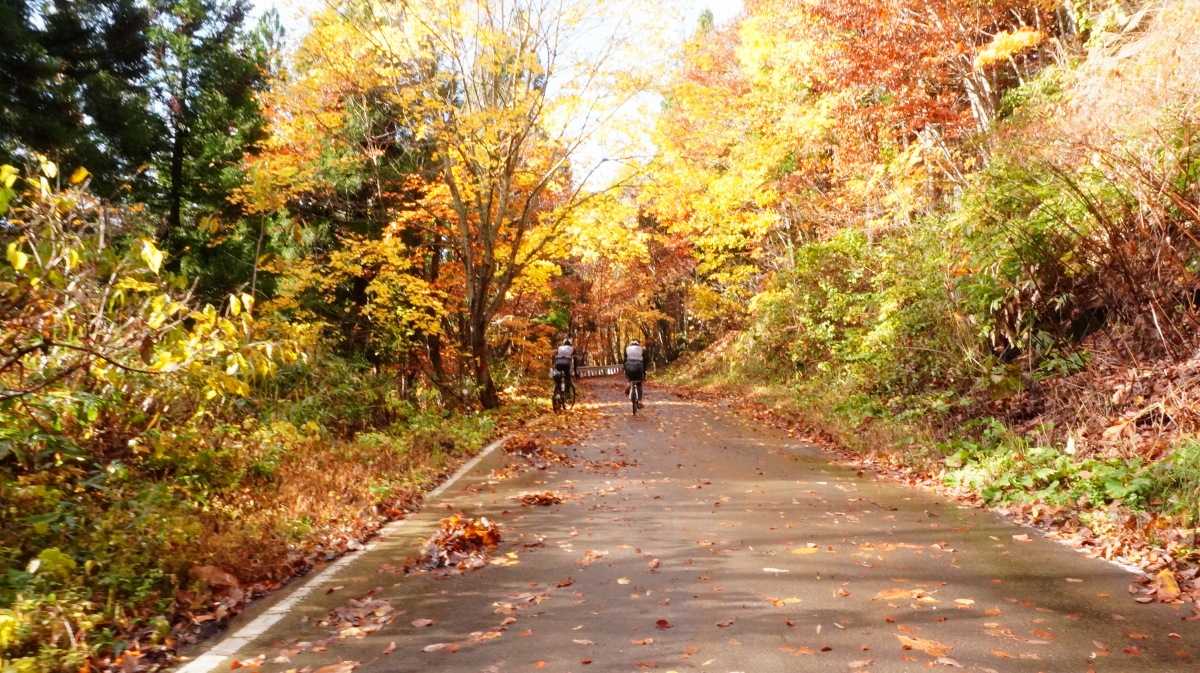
(74, 86)
(210, 64)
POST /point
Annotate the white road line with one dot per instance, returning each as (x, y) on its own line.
(230, 645)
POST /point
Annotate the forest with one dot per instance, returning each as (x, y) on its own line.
(261, 290)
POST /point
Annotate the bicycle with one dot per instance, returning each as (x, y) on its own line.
(563, 397)
(635, 395)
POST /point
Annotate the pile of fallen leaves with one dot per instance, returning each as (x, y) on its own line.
(359, 617)
(543, 499)
(535, 451)
(461, 542)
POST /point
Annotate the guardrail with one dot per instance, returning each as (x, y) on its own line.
(601, 370)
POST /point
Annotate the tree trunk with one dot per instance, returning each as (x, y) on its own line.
(434, 341)
(485, 387)
(179, 123)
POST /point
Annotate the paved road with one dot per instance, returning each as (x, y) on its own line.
(723, 547)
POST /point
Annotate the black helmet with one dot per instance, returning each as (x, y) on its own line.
(567, 342)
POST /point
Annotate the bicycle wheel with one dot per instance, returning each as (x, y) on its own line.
(634, 396)
(569, 401)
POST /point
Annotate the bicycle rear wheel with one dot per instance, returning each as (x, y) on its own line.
(569, 400)
(634, 396)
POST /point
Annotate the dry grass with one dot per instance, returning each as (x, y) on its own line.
(320, 500)
(1132, 79)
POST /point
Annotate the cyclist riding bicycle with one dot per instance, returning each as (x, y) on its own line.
(635, 368)
(564, 363)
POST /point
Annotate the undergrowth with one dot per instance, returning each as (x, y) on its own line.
(164, 461)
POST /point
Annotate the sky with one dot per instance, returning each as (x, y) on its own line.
(722, 10)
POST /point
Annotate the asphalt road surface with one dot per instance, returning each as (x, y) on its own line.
(693, 540)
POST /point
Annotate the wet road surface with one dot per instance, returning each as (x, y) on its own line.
(694, 540)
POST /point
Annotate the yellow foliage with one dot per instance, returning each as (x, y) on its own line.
(1007, 44)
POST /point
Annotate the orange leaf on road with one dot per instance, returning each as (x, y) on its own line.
(930, 647)
(1168, 588)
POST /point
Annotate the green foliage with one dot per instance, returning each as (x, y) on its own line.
(859, 313)
(110, 381)
(74, 85)
(1179, 480)
(1005, 468)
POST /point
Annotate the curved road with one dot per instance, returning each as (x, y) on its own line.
(692, 540)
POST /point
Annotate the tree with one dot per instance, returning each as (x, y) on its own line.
(468, 123)
(74, 87)
(209, 68)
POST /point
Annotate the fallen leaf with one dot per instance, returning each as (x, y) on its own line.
(421, 623)
(930, 647)
(727, 622)
(435, 647)
(897, 594)
(214, 576)
(663, 624)
(583, 642)
(1023, 537)
(390, 648)
(1168, 588)
(342, 667)
(861, 664)
(947, 661)
(1003, 654)
(253, 662)
(642, 641)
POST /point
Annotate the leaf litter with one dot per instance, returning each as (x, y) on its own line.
(461, 542)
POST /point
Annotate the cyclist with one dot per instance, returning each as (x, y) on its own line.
(564, 363)
(635, 368)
